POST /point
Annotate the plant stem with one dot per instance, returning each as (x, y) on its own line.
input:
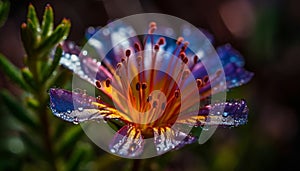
(41, 96)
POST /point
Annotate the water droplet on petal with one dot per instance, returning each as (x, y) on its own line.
(225, 114)
(75, 121)
(80, 109)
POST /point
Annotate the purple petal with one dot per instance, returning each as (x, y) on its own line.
(84, 66)
(188, 139)
(128, 142)
(76, 107)
(233, 113)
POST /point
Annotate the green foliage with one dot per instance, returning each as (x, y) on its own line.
(48, 143)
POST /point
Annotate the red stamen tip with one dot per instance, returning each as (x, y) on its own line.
(156, 47)
(137, 47)
(195, 59)
(107, 82)
(179, 40)
(98, 84)
(128, 52)
(161, 41)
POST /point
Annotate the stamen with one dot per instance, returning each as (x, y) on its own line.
(156, 47)
(179, 40)
(152, 27)
(161, 41)
(144, 86)
(195, 59)
(138, 86)
(199, 82)
(127, 53)
(205, 79)
(119, 65)
(182, 55)
(185, 60)
(176, 93)
(185, 45)
(137, 47)
(107, 82)
(98, 84)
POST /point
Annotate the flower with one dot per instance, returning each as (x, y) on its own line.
(148, 87)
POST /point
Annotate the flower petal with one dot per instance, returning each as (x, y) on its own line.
(78, 107)
(82, 65)
(232, 113)
(166, 139)
(128, 142)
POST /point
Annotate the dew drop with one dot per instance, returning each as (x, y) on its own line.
(113, 150)
(75, 121)
(68, 111)
(132, 147)
(225, 114)
(80, 109)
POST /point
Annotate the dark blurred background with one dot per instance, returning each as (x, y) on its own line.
(265, 32)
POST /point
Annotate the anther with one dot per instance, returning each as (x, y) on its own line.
(185, 45)
(127, 53)
(199, 82)
(123, 59)
(161, 41)
(144, 86)
(156, 47)
(152, 27)
(185, 60)
(205, 79)
(137, 86)
(107, 82)
(137, 47)
(98, 84)
(182, 55)
(195, 59)
(176, 93)
(179, 40)
(119, 65)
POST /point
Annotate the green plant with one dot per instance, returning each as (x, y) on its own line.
(47, 143)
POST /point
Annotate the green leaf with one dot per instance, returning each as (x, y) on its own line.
(12, 72)
(31, 15)
(48, 71)
(17, 110)
(60, 33)
(68, 140)
(4, 10)
(28, 77)
(47, 24)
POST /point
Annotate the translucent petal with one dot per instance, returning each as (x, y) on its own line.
(166, 139)
(128, 142)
